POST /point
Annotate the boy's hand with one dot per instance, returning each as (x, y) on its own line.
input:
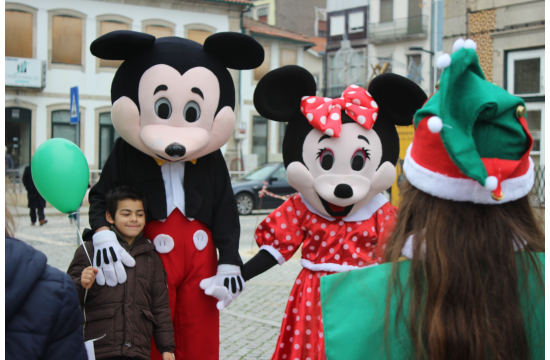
(88, 277)
(167, 356)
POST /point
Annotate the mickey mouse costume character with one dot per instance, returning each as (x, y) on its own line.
(173, 106)
(340, 154)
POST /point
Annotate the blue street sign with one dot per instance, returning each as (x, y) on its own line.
(74, 105)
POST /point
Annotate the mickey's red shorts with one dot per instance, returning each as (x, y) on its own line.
(192, 259)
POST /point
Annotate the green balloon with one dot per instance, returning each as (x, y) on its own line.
(60, 173)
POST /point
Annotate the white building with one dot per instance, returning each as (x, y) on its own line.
(47, 53)
(382, 32)
(260, 140)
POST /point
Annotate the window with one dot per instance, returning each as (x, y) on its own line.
(66, 40)
(263, 69)
(356, 22)
(337, 25)
(414, 71)
(259, 138)
(386, 10)
(107, 137)
(107, 27)
(198, 35)
(19, 34)
(61, 127)
(320, 22)
(525, 72)
(322, 28)
(262, 14)
(536, 125)
(249, 14)
(288, 57)
(18, 135)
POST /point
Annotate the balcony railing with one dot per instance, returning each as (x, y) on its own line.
(415, 27)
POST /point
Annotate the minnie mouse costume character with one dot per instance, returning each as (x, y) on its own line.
(340, 154)
(173, 106)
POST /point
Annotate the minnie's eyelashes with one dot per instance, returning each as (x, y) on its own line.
(320, 152)
(367, 153)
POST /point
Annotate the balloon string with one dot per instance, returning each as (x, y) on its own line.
(72, 215)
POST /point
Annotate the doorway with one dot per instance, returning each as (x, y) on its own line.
(18, 136)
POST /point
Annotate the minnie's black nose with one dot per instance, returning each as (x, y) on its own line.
(175, 150)
(343, 191)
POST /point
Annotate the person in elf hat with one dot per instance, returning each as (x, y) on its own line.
(465, 278)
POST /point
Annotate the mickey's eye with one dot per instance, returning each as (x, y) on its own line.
(359, 159)
(192, 111)
(326, 158)
(163, 108)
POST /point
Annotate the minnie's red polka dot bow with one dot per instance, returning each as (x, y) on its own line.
(324, 114)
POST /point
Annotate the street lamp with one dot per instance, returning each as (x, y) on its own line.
(417, 48)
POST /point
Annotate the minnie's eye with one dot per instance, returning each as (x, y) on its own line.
(326, 159)
(163, 108)
(358, 159)
(192, 111)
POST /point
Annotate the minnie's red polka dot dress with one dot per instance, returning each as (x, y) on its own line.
(328, 246)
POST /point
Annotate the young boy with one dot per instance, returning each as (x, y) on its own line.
(129, 314)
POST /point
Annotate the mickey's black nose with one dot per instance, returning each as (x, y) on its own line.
(175, 150)
(343, 191)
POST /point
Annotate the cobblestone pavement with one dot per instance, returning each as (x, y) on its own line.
(248, 328)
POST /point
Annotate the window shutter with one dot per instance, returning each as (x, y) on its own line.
(356, 22)
(158, 31)
(67, 40)
(386, 10)
(288, 57)
(198, 35)
(18, 34)
(263, 69)
(337, 25)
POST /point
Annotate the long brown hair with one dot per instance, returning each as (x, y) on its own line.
(464, 294)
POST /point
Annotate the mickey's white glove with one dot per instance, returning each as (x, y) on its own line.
(225, 286)
(109, 257)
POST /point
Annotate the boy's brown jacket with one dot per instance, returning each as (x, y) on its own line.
(128, 314)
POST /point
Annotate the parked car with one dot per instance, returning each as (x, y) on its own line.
(247, 187)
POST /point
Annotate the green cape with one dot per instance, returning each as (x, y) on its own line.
(354, 305)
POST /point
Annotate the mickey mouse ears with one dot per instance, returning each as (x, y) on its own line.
(235, 50)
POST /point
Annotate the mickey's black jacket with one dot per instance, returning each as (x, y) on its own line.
(208, 194)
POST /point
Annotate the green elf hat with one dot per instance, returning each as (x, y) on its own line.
(471, 141)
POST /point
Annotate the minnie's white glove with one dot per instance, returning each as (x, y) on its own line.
(108, 259)
(225, 286)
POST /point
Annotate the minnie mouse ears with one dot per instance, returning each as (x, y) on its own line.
(279, 93)
(235, 50)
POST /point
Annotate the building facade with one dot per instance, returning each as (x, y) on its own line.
(510, 45)
(257, 140)
(47, 53)
(289, 32)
